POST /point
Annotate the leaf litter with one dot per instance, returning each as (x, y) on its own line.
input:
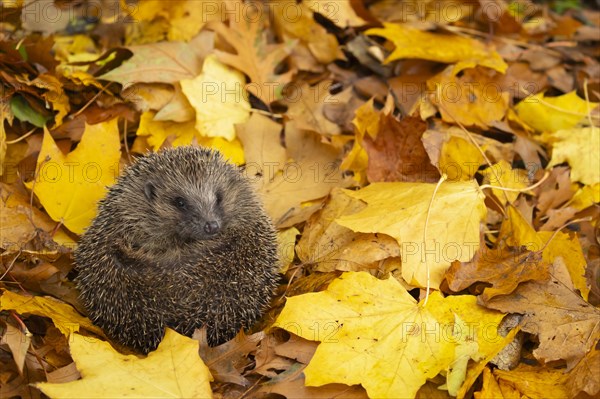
(432, 168)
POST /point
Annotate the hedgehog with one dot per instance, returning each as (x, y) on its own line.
(181, 241)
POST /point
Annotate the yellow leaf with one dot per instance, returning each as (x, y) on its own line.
(459, 159)
(64, 317)
(476, 320)
(357, 161)
(466, 350)
(373, 333)
(366, 120)
(185, 19)
(475, 332)
(433, 141)
(75, 48)
(286, 241)
(535, 382)
(339, 12)
(80, 77)
(578, 147)
(218, 97)
(174, 370)
(185, 133)
(474, 99)
(452, 49)
(296, 20)
(549, 114)
(502, 174)
(260, 138)
(570, 250)
(307, 110)
(69, 186)
(586, 197)
(518, 232)
(400, 209)
(55, 95)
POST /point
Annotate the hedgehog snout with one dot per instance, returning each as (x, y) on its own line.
(212, 227)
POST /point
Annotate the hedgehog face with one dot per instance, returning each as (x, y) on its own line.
(191, 213)
(180, 197)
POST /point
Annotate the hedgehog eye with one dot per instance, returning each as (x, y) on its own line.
(179, 202)
(219, 197)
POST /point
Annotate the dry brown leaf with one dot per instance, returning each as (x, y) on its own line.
(291, 384)
(268, 362)
(21, 222)
(555, 191)
(164, 62)
(567, 326)
(327, 246)
(296, 21)
(227, 361)
(584, 376)
(397, 153)
(502, 268)
(311, 173)
(263, 151)
(305, 108)
(256, 57)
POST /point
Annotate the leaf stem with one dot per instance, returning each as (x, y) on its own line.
(518, 190)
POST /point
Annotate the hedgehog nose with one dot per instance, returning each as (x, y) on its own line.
(212, 227)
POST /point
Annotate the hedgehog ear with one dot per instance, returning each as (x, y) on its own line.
(149, 190)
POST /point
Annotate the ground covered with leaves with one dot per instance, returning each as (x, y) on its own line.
(432, 167)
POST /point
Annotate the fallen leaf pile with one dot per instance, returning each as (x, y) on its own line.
(432, 167)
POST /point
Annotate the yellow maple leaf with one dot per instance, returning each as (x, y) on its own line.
(185, 133)
(549, 114)
(452, 49)
(374, 333)
(218, 97)
(69, 186)
(174, 370)
(400, 210)
(580, 148)
(64, 317)
(473, 99)
(502, 174)
(459, 159)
